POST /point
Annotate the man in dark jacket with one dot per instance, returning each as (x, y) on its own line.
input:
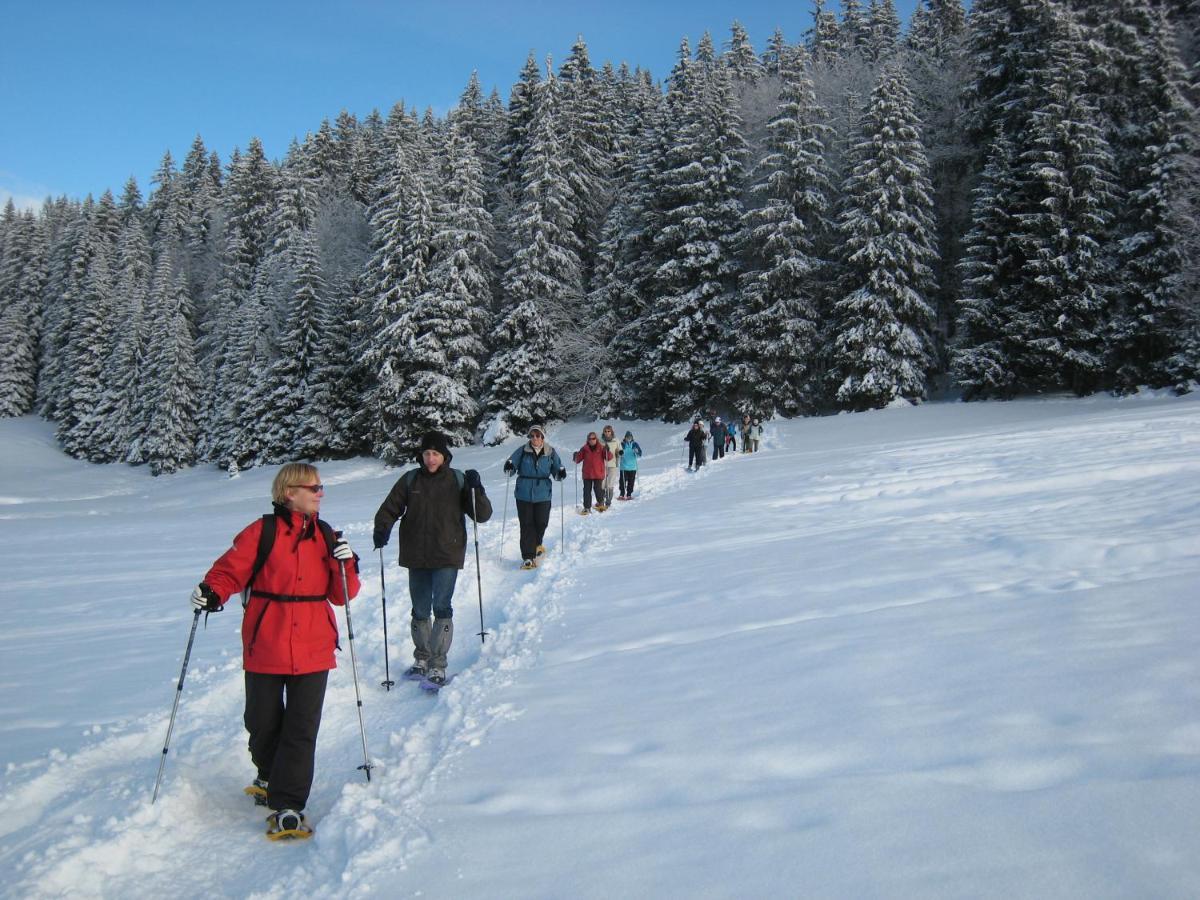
(432, 507)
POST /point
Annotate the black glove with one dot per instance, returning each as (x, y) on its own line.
(205, 599)
(509, 468)
(472, 480)
(561, 474)
(380, 538)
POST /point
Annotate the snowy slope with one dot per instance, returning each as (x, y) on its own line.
(944, 651)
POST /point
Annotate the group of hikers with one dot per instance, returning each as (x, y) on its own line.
(289, 565)
(724, 437)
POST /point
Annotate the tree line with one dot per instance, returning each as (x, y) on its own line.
(999, 203)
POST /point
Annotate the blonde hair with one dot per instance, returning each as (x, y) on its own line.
(291, 475)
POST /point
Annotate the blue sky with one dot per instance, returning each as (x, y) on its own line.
(93, 92)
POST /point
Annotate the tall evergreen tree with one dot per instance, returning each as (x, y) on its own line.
(882, 348)
(542, 283)
(23, 276)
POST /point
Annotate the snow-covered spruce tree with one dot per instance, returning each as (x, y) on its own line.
(199, 198)
(853, 29)
(252, 336)
(777, 48)
(882, 348)
(120, 400)
(69, 257)
(824, 38)
(1134, 71)
(23, 276)
(291, 402)
(443, 328)
(1065, 210)
(542, 284)
(687, 326)
(87, 349)
(248, 201)
(403, 229)
(586, 135)
(169, 440)
(739, 56)
(982, 359)
(883, 30)
(776, 326)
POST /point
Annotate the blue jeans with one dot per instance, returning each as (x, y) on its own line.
(431, 591)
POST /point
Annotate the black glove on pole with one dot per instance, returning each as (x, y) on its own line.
(478, 572)
(387, 671)
(187, 655)
(366, 766)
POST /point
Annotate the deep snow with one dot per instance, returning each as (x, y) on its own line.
(947, 651)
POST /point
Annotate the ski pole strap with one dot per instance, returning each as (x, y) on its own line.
(288, 598)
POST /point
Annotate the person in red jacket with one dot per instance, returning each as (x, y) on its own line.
(593, 455)
(289, 635)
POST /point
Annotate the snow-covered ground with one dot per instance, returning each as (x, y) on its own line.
(948, 651)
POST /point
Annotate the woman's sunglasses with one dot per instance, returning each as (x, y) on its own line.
(315, 488)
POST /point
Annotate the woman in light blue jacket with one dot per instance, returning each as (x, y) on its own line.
(628, 463)
(534, 464)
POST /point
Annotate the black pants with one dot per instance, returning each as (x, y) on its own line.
(593, 486)
(695, 455)
(534, 517)
(283, 735)
(627, 479)
(718, 449)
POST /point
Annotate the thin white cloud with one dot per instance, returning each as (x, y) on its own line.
(20, 201)
(24, 194)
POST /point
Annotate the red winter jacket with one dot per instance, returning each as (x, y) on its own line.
(593, 456)
(298, 634)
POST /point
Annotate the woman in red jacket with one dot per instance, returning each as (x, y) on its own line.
(593, 455)
(289, 634)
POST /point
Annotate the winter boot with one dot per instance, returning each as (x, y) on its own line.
(541, 551)
(443, 637)
(288, 824)
(436, 676)
(258, 790)
(422, 638)
(528, 564)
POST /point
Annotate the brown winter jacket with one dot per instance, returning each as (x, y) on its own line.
(433, 527)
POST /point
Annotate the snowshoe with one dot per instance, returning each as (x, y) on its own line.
(541, 551)
(601, 508)
(436, 680)
(625, 498)
(257, 790)
(527, 565)
(288, 825)
(585, 512)
(415, 672)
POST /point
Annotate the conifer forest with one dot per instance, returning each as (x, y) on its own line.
(986, 204)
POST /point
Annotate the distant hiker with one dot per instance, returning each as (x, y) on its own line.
(755, 435)
(534, 464)
(288, 635)
(609, 438)
(731, 433)
(628, 464)
(746, 433)
(697, 440)
(432, 503)
(718, 438)
(593, 455)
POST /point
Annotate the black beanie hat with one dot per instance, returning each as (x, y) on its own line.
(435, 440)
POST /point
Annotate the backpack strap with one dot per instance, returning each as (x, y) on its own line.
(266, 540)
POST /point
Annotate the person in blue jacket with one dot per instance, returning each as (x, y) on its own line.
(628, 463)
(534, 463)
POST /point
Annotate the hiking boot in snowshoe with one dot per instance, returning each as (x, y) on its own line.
(541, 551)
(528, 564)
(258, 790)
(436, 677)
(288, 825)
(600, 508)
(415, 672)
(585, 512)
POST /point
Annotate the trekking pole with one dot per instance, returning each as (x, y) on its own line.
(478, 573)
(366, 766)
(577, 485)
(562, 516)
(504, 519)
(387, 673)
(187, 655)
